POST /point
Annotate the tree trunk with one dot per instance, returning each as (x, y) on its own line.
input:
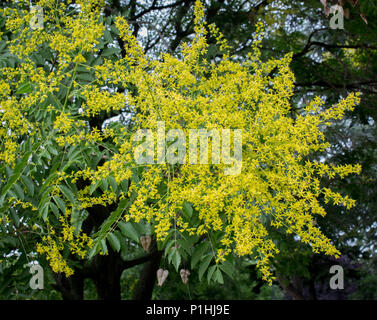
(106, 276)
(71, 288)
(295, 293)
(148, 276)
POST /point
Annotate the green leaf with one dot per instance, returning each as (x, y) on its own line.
(227, 267)
(198, 253)
(19, 192)
(52, 150)
(211, 270)
(143, 228)
(77, 220)
(219, 276)
(113, 183)
(67, 193)
(108, 37)
(60, 203)
(44, 211)
(129, 231)
(114, 29)
(54, 209)
(93, 187)
(176, 258)
(110, 51)
(113, 218)
(124, 185)
(187, 207)
(204, 266)
(114, 241)
(74, 153)
(185, 245)
(28, 183)
(85, 76)
(103, 246)
(17, 171)
(15, 217)
(24, 88)
(46, 183)
(168, 247)
(93, 251)
(104, 185)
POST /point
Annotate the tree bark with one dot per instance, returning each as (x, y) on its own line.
(290, 290)
(148, 275)
(71, 288)
(108, 270)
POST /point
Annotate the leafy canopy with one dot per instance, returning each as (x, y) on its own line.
(59, 159)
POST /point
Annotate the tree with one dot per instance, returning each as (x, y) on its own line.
(70, 179)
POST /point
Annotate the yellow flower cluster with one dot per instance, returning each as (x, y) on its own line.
(108, 197)
(63, 123)
(13, 125)
(97, 101)
(273, 186)
(4, 220)
(23, 204)
(77, 244)
(52, 244)
(52, 251)
(277, 187)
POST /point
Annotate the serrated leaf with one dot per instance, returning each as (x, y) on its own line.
(67, 193)
(168, 247)
(187, 207)
(46, 183)
(17, 171)
(60, 203)
(124, 185)
(219, 276)
(185, 245)
(24, 88)
(114, 29)
(93, 187)
(211, 270)
(44, 211)
(198, 253)
(14, 217)
(77, 220)
(113, 218)
(74, 153)
(113, 183)
(110, 51)
(204, 266)
(114, 241)
(104, 185)
(52, 150)
(93, 251)
(19, 192)
(176, 259)
(28, 183)
(107, 36)
(129, 231)
(54, 209)
(227, 267)
(103, 246)
(85, 76)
